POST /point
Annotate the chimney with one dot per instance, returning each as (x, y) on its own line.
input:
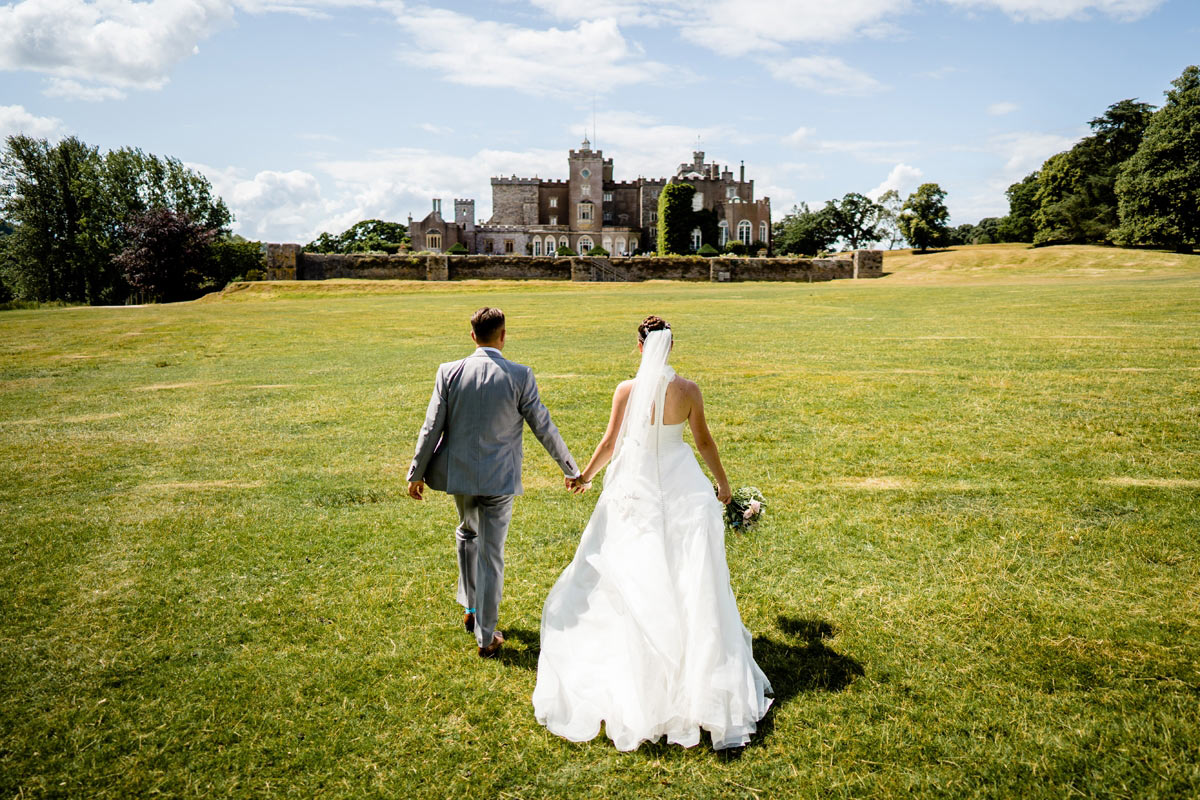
(743, 178)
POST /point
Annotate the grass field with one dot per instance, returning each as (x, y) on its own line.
(979, 575)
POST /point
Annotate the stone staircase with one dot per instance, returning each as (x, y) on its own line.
(602, 269)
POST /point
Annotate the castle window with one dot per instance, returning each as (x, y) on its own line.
(654, 216)
(607, 244)
(564, 242)
(585, 191)
(744, 231)
(585, 244)
(763, 232)
(585, 172)
(653, 232)
(487, 246)
(433, 241)
(537, 247)
(620, 247)
(608, 216)
(549, 245)
(554, 220)
(554, 202)
(508, 245)
(724, 226)
(731, 192)
(608, 197)
(632, 246)
(585, 211)
(697, 240)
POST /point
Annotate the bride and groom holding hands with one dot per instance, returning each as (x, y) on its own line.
(641, 631)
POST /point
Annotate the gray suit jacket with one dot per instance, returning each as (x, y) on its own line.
(471, 440)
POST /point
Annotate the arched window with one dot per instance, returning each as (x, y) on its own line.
(763, 232)
(564, 242)
(537, 247)
(620, 247)
(745, 231)
(697, 241)
(724, 226)
(550, 245)
(585, 244)
(607, 244)
(433, 241)
(632, 246)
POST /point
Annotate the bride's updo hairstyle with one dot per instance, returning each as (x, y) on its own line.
(652, 323)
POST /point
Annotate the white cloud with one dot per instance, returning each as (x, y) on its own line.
(801, 137)
(738, 27)
(118, 43)
(1025, 152)
(1001, 108)
(1045, 10)
(74, 90)
(550, 62)
(16, 120)
(630, 12)
(825, 75)
(644, 145)
(270, 205)
(436, 130)
(903, 179)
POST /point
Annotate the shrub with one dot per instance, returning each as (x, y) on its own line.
(708, 251)
(735, 247)
(457, 249)
(253, 275)
(563, 250)
(229, 258)
(598, 251)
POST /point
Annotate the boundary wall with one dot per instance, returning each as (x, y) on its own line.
(440, 267)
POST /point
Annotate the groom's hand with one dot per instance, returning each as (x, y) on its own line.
(416, 490)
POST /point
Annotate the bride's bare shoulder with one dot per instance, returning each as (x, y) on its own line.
(623, 388)
(684, 386)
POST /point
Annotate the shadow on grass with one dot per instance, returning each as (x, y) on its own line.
(525, 657)
(804, 664)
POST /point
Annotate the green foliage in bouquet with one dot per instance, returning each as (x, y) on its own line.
(746, 508)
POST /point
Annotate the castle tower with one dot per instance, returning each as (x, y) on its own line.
(585, 195)
(464, 214)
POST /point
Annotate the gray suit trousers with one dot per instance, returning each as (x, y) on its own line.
(482, 528)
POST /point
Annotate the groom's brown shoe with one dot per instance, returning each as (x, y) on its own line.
(492, 649)
(469, 622)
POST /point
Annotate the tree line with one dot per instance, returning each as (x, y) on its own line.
(1134, 181)
(81, 226)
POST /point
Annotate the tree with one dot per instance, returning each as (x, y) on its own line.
(369, 235)
(887, 219)
(1076, 196)
(854, 219)
(68, 205)
(1022, 204)
(1159, 186)
(925, 219)
(164, 252)
(675, 219)
(804, 232)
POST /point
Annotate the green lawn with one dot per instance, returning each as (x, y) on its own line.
(978, 577)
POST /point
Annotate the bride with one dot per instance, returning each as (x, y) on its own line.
(641, 631)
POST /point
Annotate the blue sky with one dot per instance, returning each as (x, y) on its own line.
(308, 115)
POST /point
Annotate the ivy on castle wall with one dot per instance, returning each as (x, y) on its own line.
(675, 219)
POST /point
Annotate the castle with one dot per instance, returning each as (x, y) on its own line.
(531, 216)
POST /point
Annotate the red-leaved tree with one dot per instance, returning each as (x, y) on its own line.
(165, 254)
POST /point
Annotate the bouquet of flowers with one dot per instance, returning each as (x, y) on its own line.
(745, 509)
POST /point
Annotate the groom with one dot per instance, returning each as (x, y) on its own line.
(470, 448)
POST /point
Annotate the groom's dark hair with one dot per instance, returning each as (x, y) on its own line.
(652, 323)
(487, 323)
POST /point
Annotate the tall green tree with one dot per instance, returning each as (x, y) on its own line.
(1076, 196)
(675, 223)
(804, 232)
(887, 220)
(925, 220)
(1159, 186)
(164, 254)
(854, 218)
(1022, 203)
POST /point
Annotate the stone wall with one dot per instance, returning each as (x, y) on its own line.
(439, 267)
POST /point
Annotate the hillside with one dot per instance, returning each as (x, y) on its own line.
(1005, 263)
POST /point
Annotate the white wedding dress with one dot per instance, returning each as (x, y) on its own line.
(642, 631)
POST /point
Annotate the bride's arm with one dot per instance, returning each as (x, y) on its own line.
(706, 444)
(604, 450)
